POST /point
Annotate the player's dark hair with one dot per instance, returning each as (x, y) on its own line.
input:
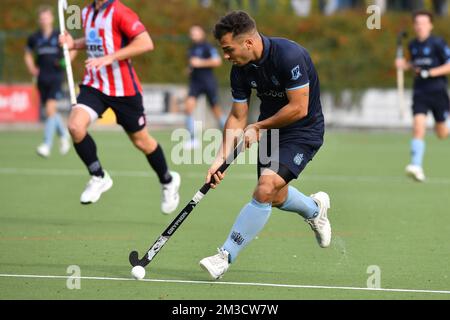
(44, 8)
(236, 23)
(423, 13)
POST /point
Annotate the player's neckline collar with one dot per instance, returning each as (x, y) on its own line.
(266, 51)
(104, 6)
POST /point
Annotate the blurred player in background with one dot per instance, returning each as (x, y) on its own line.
(114, 34)
(203, 57)
(430, 62)
(286, 81)
(44, 58)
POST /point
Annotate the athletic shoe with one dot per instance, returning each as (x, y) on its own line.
(216, 265)
(170, 195)
(43, 150)
(415, 172)
(64, 145)
(320, 224)
(191, 144)
(95, 187)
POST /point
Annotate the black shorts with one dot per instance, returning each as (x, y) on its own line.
(129, 111)
(287, 158)
(438, 103)
(49, 89)
(209, 88)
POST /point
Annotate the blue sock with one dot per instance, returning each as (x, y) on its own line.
(299, 203)
(249, 223)
(190, 125)
(417, 152)
(60, 127)
(222, 121)
(49, 130)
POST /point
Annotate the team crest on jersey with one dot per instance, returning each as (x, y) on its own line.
(426, 51)
(93, 37)
(275, 81)
(298, 159)
(296, 74)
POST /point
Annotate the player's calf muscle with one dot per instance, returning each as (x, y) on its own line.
(143, 141)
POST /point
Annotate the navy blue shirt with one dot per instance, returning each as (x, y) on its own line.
(284, 66)
(202, 50)
(431, 53)
(48, 54)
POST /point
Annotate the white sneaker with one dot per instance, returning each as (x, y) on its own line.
(170, 195)
(95, 187)
(64, 145)
(216, 265)
(415, 172)
(320, 224)
(43, 150)
(191, 144)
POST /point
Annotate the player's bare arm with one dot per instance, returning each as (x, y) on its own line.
(295, 110)
(440, 71)
(31, 66)
(236, 122)
(196, 62)
(403, 64)
(140, 44)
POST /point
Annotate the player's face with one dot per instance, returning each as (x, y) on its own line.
(423, 26)
(46, 19)
(236, 50)
(197, 34)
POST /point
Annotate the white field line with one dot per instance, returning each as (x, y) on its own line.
(247, 284)
(149, 173)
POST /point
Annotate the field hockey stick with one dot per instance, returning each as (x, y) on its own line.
(62, 5)
(176, 223)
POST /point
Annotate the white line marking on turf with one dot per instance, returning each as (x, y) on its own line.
(248, 284)
(146, 174)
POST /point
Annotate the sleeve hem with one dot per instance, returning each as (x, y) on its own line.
(298, 87)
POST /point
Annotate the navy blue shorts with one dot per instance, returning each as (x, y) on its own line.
(129, 111)
(49, 89)
(287, 158)
(209, 88)
(438, 103)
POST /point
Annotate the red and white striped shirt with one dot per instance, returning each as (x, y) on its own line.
(107, 30)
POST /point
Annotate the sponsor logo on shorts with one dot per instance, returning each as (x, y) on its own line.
(141, 121)
(298, 159)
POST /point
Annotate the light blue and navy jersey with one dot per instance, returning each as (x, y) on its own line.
(284, 66)
(202, 50)
(431, 53)
(48, 54)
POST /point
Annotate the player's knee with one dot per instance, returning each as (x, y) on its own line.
(145, 144)
(265, 192)
(442, 135)
(77, 130)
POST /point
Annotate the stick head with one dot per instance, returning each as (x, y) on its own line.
(402, 35)
(134, 258)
